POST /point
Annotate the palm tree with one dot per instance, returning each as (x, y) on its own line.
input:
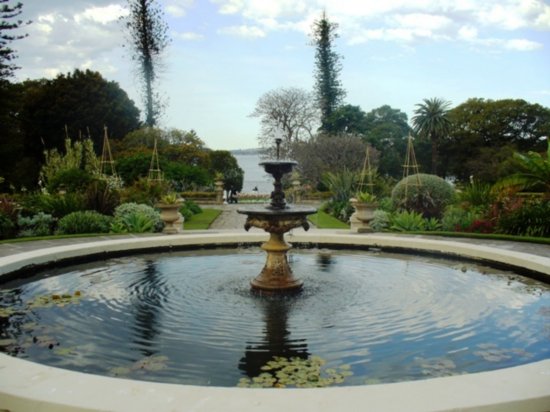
(431, 121)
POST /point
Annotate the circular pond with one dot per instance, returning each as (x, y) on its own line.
(189, 317)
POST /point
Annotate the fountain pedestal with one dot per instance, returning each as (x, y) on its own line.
(276, 276)
(277, 218)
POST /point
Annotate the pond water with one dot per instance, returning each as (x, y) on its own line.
(189, 317)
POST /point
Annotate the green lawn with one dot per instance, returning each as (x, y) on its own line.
(323, 220)
(202, 220)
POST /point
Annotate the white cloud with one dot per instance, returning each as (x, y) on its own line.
(522, 45)
(177, 8)
(103, 15)
(243, 31)
(401, 21)
(230, 6)
(422, 21)
(189, 36)
(468, 33)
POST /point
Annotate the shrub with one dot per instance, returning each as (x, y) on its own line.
(189, 208)
(432, 224)
(477, 194)
(406, 221)
(7, 227)
(87, 221)
(54, 204)
(341, 210)
(8, 216)
(380, 220)
(532, 219)
(341, 184)
(425, 194)
(40, 224)
(143, 191)
(71, 180)
(137, 222)
(101, 197)
(124, 222)
(457, 219)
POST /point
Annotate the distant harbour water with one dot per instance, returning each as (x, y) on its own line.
(254, 175)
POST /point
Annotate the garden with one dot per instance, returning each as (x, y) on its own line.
(516, 205)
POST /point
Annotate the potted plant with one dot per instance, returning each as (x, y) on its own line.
(364, 204)
(169, 206)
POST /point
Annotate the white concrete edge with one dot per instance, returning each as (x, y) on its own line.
(27, 386)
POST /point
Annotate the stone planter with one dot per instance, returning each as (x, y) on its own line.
(364, 213)
(169, 214)
(219, 191)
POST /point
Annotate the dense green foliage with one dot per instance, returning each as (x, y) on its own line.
(406, 221)
(87, 221)
(532, 219)
(485, 133)
(40, 224)
(424, 194)
(41, 113)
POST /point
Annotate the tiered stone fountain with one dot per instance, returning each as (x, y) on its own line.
(277, 218)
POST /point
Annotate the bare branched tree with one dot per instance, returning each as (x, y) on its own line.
(292, 111)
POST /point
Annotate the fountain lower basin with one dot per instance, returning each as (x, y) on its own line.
(31, 384)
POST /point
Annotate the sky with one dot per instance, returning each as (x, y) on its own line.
(225, 54)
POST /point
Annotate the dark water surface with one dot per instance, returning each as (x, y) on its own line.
(189, 317)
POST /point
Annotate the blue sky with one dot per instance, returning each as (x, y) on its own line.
(225, 54)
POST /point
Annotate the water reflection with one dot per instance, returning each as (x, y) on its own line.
(277, 340)
(324, 260)
(147, 299)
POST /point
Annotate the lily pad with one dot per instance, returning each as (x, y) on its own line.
(296, 372)
(59, 300)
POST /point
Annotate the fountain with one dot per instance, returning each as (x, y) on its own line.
(277, 219)
(170, 325)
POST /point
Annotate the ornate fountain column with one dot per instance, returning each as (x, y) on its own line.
(277, 218)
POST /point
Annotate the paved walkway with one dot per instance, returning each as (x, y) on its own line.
(229, 219)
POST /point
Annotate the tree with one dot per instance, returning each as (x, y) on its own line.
(11, 143)
(289, 109)
(7, 54)
(328, 153)
(386, 129)
(222, 161)
(148, 39)
(328, 88)
(431, 121)
(484, 131)
(346, 119)
(79, 102)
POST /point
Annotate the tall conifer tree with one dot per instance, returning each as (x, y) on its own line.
(328, 88)
(148, 39)
(7, 23)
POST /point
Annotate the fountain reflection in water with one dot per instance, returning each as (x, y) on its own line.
(277, 219)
